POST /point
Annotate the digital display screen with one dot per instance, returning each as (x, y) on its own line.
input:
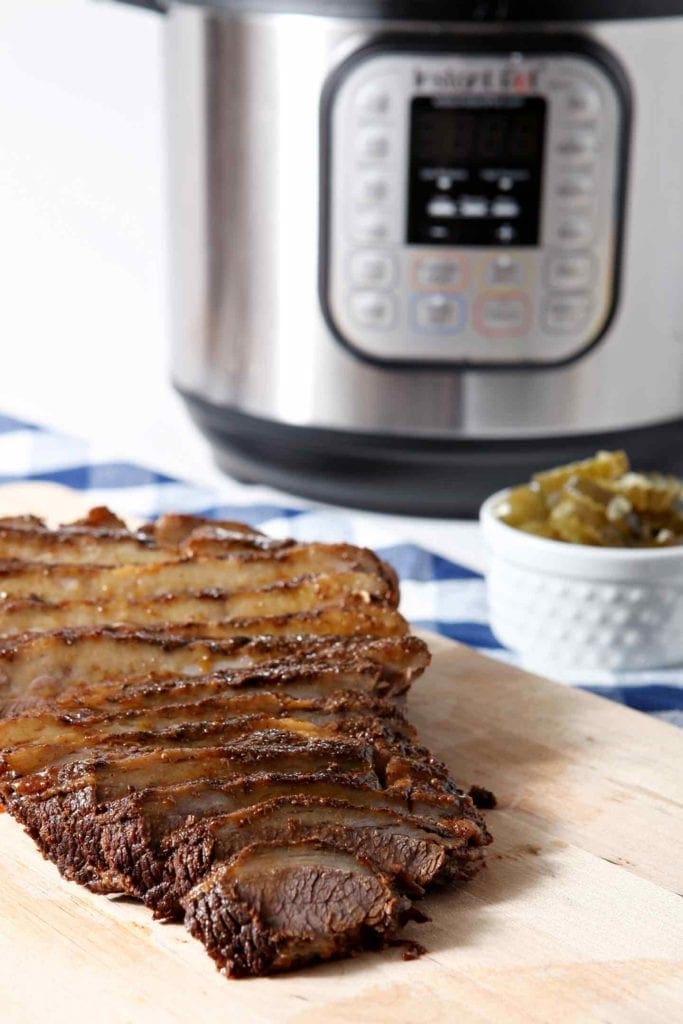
(475, 170)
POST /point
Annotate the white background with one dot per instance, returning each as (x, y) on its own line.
(82, 252)
(83, 325)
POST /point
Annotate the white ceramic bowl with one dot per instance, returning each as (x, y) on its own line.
(567, 608)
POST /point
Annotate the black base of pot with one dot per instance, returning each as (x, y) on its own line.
(408, 475)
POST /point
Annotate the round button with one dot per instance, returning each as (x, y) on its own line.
(565, 314)
(576, 148)
(372, 269)
(372, 144)
(504, 271)
(439, 313)
(569, 271)
(371, 189)
(574, 230)
(441, 272)
(373, 100)
(503, 315)
(582, 102)
(578, 185)
(371, 227)
(373, 309)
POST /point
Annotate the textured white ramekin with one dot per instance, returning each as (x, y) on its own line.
(569, 607)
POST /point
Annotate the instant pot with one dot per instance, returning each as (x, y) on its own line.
(421, 249)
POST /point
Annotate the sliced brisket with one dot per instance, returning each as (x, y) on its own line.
(207, 719)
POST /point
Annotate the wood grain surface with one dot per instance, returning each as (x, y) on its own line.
(576, 918)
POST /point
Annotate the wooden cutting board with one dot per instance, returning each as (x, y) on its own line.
(575, 919)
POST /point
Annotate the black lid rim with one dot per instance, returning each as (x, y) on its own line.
(537, 11)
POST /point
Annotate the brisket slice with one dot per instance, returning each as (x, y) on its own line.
(84, 814)
(52, 665)
(112, 774)
(413, 850)
(119, 769)
(70, 723)
(276, 906)
(102, 539)
(303, 725)
(313, 679)
(66, 809)
(57, 582)
(79, 545)
(305, 594)
(114, 838)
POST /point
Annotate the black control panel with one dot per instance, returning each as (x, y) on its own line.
(475, 170)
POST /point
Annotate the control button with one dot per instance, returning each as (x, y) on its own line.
(442, 206)
(440, 313)
(576, 148)
(569, 271)
(564, 314)
(503, 316)
(371, 189)
(372, 269)
(575, 186)
(504, 206)
(373, 100)
(473, 206)
(581, 102)
(440, 272)
(574, 230)
(372, 144)
(371, 227)
(504, 271)
(373, 309)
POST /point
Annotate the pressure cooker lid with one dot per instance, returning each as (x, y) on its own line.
(445, 10)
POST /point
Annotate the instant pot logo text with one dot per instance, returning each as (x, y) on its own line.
(512, 79)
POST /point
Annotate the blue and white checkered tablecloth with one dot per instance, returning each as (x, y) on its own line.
(437, 593)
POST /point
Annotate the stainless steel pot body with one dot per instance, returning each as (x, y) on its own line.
(249, 334)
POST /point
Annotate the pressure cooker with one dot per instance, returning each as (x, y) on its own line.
(420, 249)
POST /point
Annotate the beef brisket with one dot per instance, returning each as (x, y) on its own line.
(208, 720)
